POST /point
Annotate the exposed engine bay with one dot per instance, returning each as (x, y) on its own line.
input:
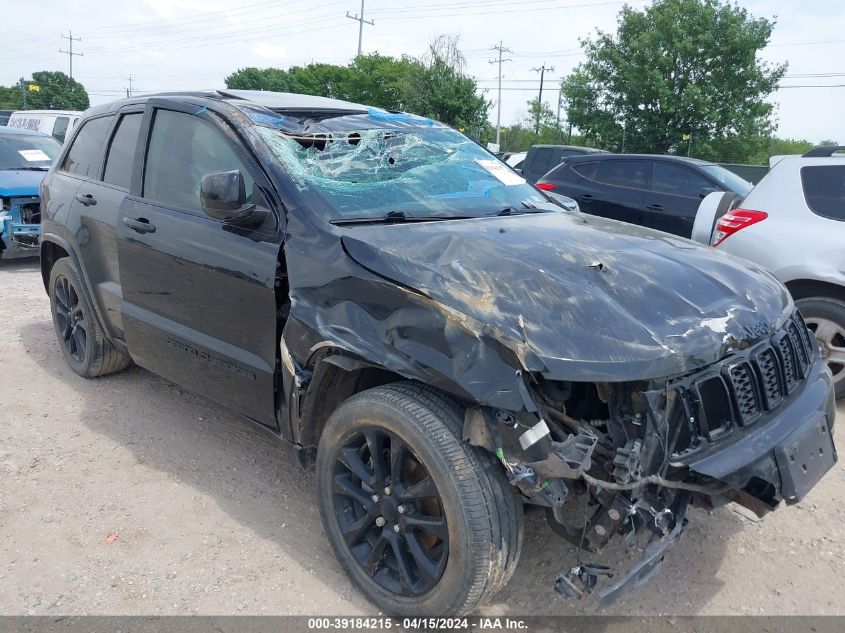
(20, 226)
(609, 459)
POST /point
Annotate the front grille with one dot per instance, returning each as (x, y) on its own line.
(745, 392)
(766, 362)
(746, 386)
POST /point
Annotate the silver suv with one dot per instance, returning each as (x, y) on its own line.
(793, 223)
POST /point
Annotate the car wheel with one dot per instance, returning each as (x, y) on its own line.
(83, 343)
(422, 522)
(826, 319)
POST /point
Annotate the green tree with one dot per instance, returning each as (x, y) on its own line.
(56, 91)
(678, 67)
(10, 98)
(434, 87)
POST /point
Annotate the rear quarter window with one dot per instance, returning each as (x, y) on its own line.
(824, 190)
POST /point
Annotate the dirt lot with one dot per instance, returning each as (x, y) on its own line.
(211, 517)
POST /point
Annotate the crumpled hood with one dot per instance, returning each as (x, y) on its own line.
(20, 182)
(579, 297)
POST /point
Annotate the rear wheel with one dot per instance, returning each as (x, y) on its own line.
(84, 345)
(826, 319)
(423, 523)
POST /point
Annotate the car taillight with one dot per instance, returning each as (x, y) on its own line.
(545, 186)
(734, 221)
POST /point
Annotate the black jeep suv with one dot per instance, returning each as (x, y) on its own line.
(447, 345)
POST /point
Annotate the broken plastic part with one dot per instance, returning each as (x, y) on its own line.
(534, 434)
(384, 115)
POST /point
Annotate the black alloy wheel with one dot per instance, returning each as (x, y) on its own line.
(422, 522)
(71, 320)
(84, 345)
(390, 512)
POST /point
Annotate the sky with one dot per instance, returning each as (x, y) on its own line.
(194, 44)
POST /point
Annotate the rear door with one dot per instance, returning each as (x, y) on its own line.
(103, 200)
(198, 294)
(89, 213)
(538, 161)
(674, 196)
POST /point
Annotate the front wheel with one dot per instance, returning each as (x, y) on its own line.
(422, 522)
(825, 317)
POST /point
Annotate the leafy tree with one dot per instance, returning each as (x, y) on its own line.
(253, 78)
(434, 87)
(10, 98)
(56, 91)
(679, 67)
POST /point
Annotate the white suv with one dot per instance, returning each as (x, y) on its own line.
(793, 223)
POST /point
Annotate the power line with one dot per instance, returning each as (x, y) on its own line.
(502, 49)
(361, 22)
(71, 39)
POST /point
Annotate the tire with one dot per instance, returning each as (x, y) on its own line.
(84, 345)
(826, 318)
(481, 511)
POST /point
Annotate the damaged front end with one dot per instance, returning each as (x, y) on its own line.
(20, 226)
(626, 459)
(618, 374)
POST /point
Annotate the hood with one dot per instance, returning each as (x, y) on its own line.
(24, 182)
(579, 297)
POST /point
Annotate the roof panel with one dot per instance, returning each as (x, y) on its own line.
(292, 101)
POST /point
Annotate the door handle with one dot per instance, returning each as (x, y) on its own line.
(655, 207)
(587, 198)
(86, 199)
(139, 225)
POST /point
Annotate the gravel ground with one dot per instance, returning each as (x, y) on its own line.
(128, 495)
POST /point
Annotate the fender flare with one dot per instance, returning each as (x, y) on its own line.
(60, 241)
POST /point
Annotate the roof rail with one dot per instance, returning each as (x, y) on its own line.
(824, 152)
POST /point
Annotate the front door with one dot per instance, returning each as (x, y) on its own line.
(198, 294)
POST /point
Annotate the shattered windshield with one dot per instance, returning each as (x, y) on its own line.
(422, 170)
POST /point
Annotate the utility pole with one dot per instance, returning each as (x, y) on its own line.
(542, 70)
(130, 79)
(361, 21)
(502, 49)
(557, 124)
(71, 39)
(23, 92)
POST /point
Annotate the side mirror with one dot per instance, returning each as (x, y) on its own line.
(223, 197)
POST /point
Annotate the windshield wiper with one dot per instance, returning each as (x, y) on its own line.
(397, 217)
(26, 169)
(512, 211)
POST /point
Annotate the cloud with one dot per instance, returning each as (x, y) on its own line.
(269, 51)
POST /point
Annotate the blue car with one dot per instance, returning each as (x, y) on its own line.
(25, 156)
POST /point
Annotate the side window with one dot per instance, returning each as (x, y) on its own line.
(677, 180)
(824, 189)
(541, 161)
(60, 128)
(121, 153)
(587, 170)
(84, 155)
(623, 173)
(183, 148)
